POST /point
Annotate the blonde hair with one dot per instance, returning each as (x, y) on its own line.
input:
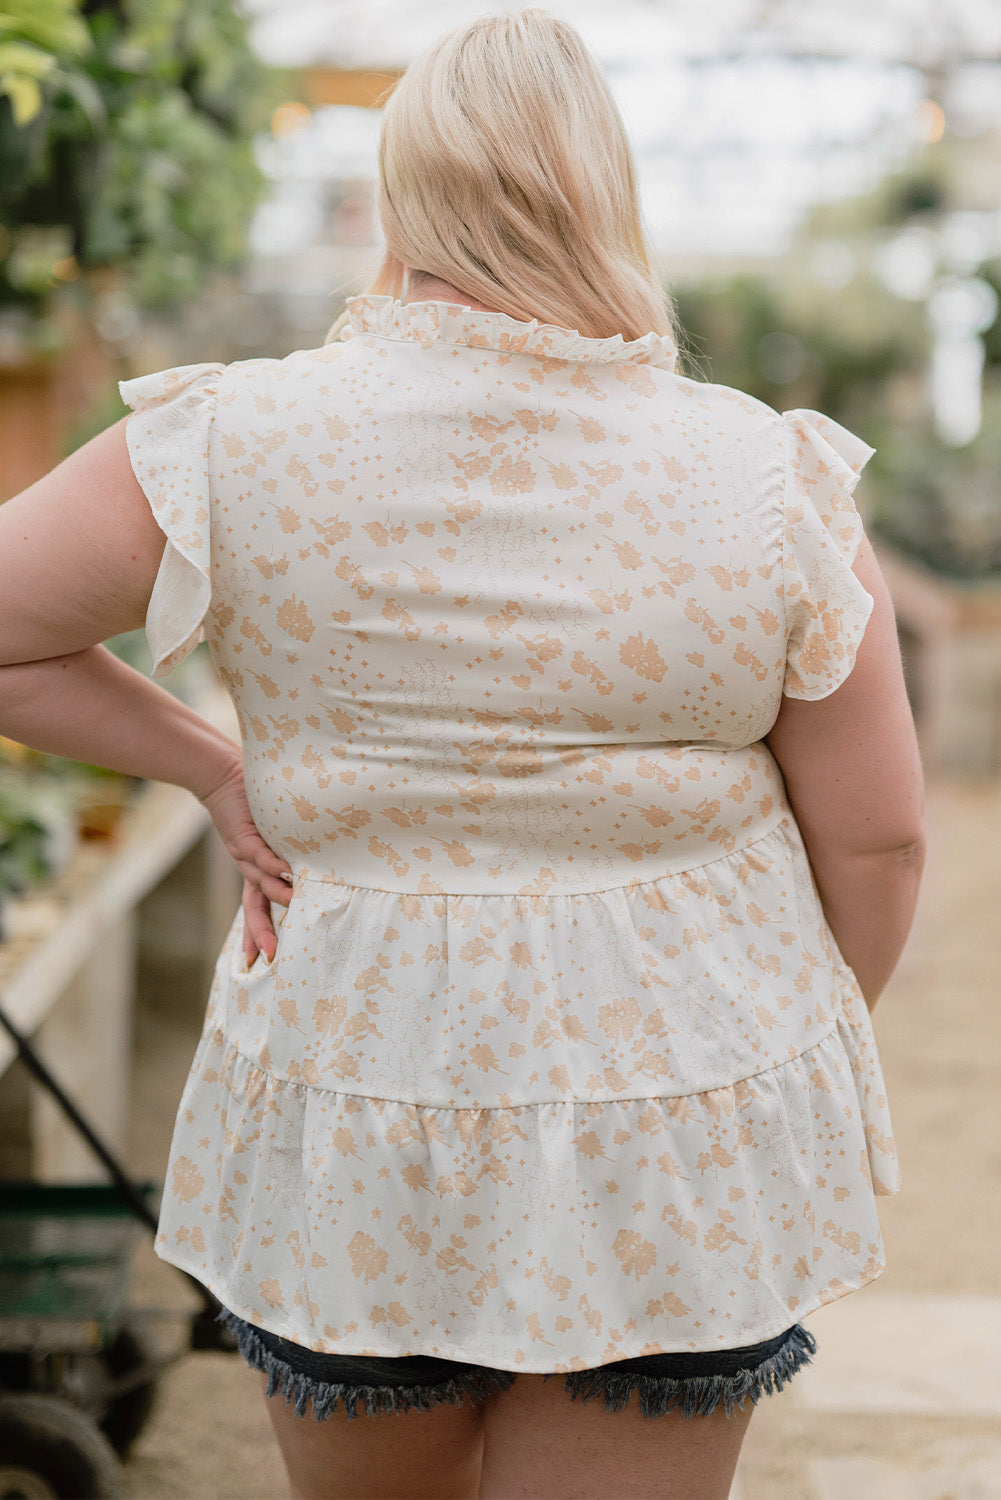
(505, 171)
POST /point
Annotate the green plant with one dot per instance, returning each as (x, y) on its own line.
(127, 139)
(33, 35)
(939, 504)
(780, 340)
(28, 822)
(783, 340)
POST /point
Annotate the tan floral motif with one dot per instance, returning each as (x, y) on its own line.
(367, 1259)
(620, 1018)
(557, 1062)
(644, 658)
(293, 616)
(186, 1180)
(512, 477)
(636, 1255)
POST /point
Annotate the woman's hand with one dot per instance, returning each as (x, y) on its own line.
(266, 876)
(258, 928)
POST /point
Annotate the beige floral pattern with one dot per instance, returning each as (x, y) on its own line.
(558, 1062)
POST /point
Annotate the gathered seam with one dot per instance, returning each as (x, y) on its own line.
(402, 323)
(781, 824)
(315, 1088)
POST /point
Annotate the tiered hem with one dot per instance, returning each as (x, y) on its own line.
(643, 1225)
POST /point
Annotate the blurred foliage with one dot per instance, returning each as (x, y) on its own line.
(106, 409)
(35, 828)
(783, 340)
(920, 190)
(939, 504)
(33, 34)
(861, 354)
(991, 273)
(138, 153)
(23, 836)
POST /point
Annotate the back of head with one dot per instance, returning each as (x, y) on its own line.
(505, 171)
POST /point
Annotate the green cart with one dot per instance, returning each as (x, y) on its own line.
(78, 1368)
(77, 1378)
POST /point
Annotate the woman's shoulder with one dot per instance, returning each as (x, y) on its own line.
(795, 440)
(267, 393)
(712, 395)
(262, 370)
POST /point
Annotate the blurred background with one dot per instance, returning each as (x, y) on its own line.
(187, 180)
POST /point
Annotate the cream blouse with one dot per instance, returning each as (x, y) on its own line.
(558, 1062)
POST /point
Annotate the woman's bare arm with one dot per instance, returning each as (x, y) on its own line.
(854, 780)
(79, 553)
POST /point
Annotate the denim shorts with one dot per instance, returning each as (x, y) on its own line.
(693, 1384)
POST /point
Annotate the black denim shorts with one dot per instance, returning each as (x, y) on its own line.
(693, 1384)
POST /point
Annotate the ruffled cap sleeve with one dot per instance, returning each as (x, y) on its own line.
(168, 442)
(827, 609)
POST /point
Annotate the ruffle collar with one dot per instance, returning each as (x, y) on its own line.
(429, 323)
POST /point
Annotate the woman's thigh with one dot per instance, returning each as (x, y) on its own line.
(390, 1455)
(541, 1445)
(356, 1428)
(659, 1427)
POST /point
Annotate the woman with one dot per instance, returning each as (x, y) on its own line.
(582, 787)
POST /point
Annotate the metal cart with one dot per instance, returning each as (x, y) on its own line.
(78, 1369)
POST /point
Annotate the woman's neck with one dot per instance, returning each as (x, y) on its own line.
(422, 288)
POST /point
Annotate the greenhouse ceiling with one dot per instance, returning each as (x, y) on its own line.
(387, 33)
(743, 113)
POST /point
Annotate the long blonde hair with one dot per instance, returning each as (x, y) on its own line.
(505, 171)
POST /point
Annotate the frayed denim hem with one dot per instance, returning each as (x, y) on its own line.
(691, 1395)
(299, 1390)
(695, 1395)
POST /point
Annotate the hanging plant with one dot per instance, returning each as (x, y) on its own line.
(33, 35)
(127, 133)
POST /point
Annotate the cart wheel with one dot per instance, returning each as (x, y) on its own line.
(51, 1451)
(128, 1414)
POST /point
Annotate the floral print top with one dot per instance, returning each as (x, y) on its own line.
(558, 1062)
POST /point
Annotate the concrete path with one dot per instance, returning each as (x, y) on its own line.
(903, 1400)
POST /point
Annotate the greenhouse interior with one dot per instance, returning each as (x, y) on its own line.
(196, 180)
